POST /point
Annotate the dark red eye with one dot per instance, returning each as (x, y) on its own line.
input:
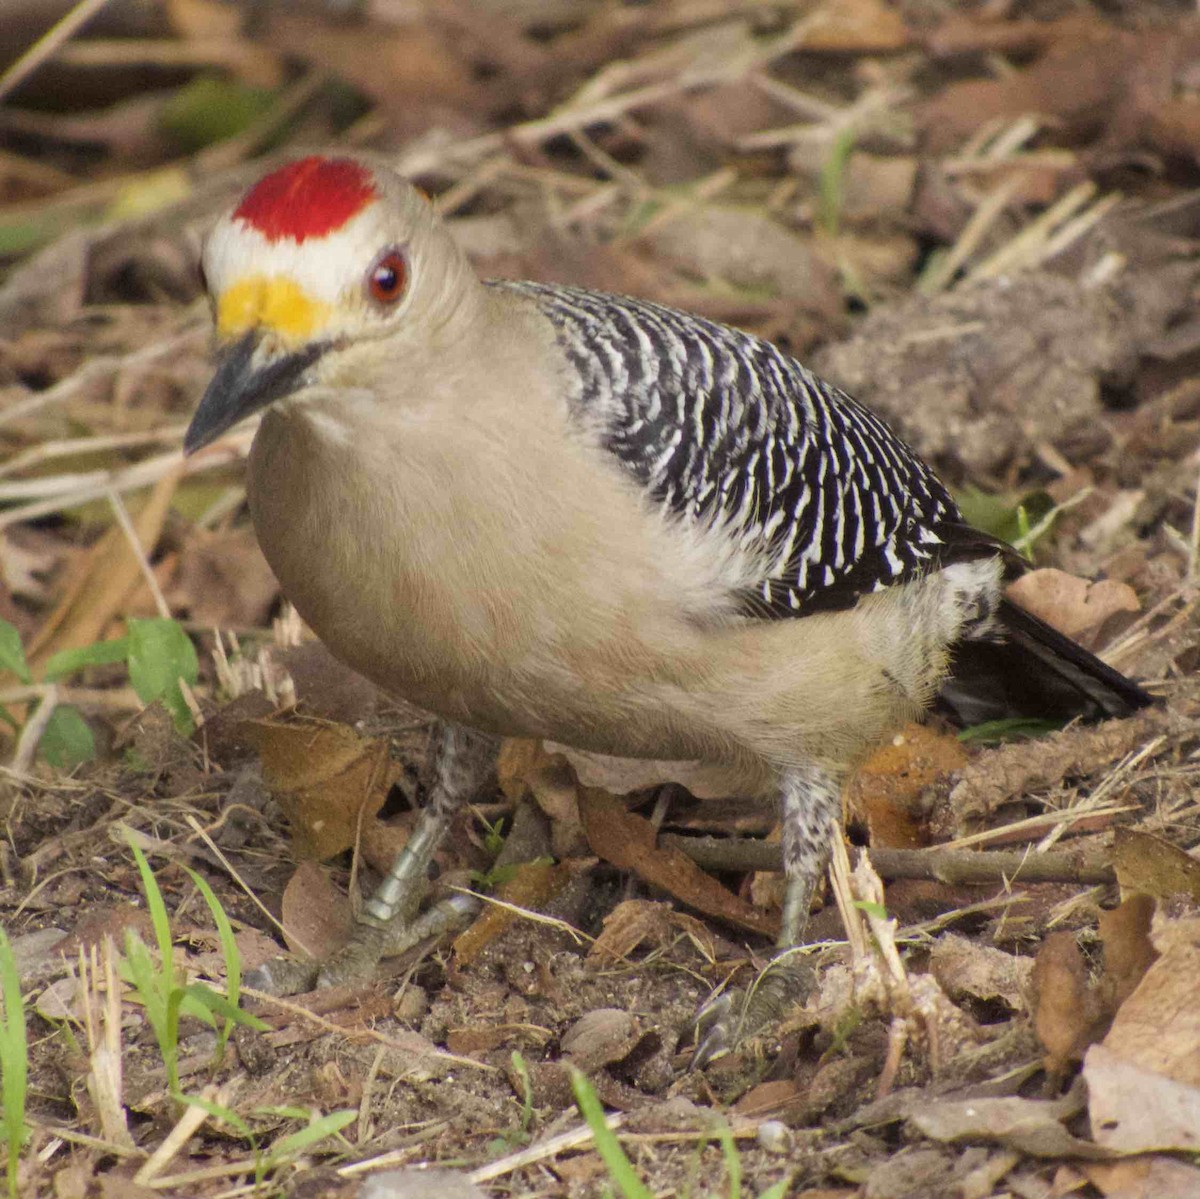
(388, 277)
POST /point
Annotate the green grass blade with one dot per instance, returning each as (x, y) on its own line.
(157, 908)
(619, 1166)
(733, 1160)
(305, 1138)
(14, 1060)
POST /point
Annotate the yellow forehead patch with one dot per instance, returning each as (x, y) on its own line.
(262, 302)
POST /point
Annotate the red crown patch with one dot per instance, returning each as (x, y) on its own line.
(307, 198)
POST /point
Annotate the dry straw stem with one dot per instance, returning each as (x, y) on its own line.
(49, 43)
(595, 104)
(100, 368)
(298, 1012)
(186, 1127)
(541, 1151)
(1120, 776)
(100, 995)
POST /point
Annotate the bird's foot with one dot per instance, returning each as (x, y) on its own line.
(739, 1018)
(357, 961)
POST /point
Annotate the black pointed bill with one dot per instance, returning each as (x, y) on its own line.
(240, 388)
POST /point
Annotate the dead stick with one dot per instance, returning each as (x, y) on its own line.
(946, 866)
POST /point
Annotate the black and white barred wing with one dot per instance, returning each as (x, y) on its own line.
(721, 427)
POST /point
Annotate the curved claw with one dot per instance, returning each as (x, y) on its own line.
(731, 1019)
(712, 1028)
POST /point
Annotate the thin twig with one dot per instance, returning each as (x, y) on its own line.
(44, 48)
(938, 863)
(31, 734)
(122, 515)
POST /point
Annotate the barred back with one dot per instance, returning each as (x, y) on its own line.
(723, 428)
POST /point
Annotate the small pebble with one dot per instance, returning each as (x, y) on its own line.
(775, 1136)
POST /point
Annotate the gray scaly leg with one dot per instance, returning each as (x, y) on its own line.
(810, 798)
(462, 761)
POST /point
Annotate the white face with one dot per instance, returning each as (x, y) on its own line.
(320, 250)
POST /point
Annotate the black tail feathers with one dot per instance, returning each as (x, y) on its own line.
(1035, 671)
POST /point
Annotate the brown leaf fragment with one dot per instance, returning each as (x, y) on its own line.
(1067, 1015)
(326, 687)
(638, 921)
(771, 1098)
(1153, 866)
(1032, 1126)
(1158, 1026)
(627, 841)
(532, 886)
(316, 916)
(1072, 605)
(1128, 951)
(1144, 1178)
(103, 580)
(326, 777)
(967, 970)
(525, 767)
(1135, 1109)
(857, 27)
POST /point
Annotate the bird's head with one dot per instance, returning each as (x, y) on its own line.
(320, 260)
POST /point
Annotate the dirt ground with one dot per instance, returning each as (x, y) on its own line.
(979, 219)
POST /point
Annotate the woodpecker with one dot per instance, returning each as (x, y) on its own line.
(543, 511)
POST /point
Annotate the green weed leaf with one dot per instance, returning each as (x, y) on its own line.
(68, 740)
(102, 653)
(160, 654)
(12, 652)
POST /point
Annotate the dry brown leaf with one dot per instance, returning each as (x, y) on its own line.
(1031, 1126)
(1067, 1015)
(628, 842)
(316, 916)
(1072, 605)
(1153, 866)
(326, 687)
(1158, 1026)
(599, 1037)
(412, 72)
(1138, 1110)
(857, 27)
(1144, 1178)
(382, 840)
(622, 776)
(525, 767)
(532, 886)
(637, 921)
(223, 579)
(518, 756)
(965, 969)
(1128, 951)
(767, 1099)
(326, 777)
(1094, 80)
